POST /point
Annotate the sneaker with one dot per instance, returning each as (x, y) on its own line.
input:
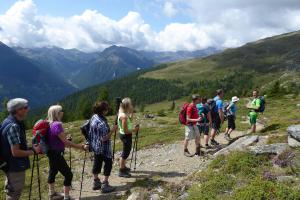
(97, 184)
(214, 142)
(106, 188)
(227, 137)
(187, 153)
(56, 196)
(123, 173)
(198, 152)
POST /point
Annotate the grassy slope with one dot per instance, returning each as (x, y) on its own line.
(279, 114)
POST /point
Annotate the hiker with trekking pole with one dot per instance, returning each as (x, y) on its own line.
(57, 141)
(14, 149)
(99, 137)
(126, 129)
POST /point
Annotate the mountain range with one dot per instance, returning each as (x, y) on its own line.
(271, 64)
(45, 75)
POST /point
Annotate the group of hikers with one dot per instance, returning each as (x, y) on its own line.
(200, 116)
(15, 151)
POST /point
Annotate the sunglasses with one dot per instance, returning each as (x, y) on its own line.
(25, 108)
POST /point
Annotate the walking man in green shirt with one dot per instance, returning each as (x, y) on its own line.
(254, 106)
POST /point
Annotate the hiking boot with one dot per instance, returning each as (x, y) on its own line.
(227, 137)
(187, 153)
(198, 152)
(123, 173)
(208, 147)
(127, 169)
(106, 188)
(97, 184)
(214, 142)
(56, 196)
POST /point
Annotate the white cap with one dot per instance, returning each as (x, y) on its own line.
(235, 99)
(15, 104)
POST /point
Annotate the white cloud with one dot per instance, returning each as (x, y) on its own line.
(169, 9)
(213, 23)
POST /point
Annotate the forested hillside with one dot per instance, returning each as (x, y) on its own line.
(271, 65)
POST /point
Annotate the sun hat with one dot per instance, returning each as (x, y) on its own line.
(235, 99)
(15, 104)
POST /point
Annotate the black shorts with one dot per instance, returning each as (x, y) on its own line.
(203, 129)
(127, 145)
(231, 122)
(216, 122)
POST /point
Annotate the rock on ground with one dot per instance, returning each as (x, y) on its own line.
(294, 132)
(269, 149)
(239, 145)
(292, 142)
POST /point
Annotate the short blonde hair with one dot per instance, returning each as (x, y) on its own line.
(53, 113)
(126, 106)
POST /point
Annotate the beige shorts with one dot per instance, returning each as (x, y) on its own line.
(191, 132)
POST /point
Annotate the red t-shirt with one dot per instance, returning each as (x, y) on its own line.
(192, 113)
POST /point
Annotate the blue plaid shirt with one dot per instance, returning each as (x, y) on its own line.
(99, 130)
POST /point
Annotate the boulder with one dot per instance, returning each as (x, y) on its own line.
(154, 197)
(277, 148)
(294, 132)
(184, 196)
(292, 142)
(239, 145)
(136, 194)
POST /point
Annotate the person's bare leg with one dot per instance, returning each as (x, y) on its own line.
(206, 138)
(122, 163)
(185, 144)
(67, 191)
(213, 133)
(253, 128)
(197, 141)
(51, 188)
(229, 131)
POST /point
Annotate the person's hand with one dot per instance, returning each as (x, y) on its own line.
(69, 137)
(137, 128)
(86, 147)
(114, 128)
(37, 149)
(199, 119)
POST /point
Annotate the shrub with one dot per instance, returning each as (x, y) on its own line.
(161, 113)
(263, 189)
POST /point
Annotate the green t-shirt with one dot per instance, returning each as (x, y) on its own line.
(255, 104)
(129, 123)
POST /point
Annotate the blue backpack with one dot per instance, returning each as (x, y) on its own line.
(262, 106)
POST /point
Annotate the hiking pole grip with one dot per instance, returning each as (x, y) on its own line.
(118, 102)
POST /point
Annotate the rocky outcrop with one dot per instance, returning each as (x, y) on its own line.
(292, 142)
(294, 132)
(239, 145)
(269, 149)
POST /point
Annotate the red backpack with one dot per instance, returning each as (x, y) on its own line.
(40, 134)
(183, 113)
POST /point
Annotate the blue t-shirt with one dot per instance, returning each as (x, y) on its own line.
(219, 104)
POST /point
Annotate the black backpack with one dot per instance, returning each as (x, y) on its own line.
(262, 106)
(225, 111)
(3, 163)
(212, 105)
(85, 128)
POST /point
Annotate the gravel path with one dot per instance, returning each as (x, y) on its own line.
(163, 161)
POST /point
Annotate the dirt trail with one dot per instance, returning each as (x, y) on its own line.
(164, 161)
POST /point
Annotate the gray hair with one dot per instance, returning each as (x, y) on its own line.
(14, 104)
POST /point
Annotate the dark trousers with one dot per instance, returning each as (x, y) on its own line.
(98, 162)
(127, 145)
(57, 163)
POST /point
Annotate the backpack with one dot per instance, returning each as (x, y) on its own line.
(183, 113)
(212, 105)
(225, 111)
(40, 135)
(2, 161)
(262, 106)
(85, 128)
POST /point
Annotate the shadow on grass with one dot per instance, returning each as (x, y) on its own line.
(272, 127)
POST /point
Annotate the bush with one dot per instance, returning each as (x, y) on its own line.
(212, 184)
(161, 113)
(262, 189)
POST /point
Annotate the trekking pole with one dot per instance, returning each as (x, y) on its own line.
(38, 174)
(84, 160)
(132, 153)
(118, 102)
(31, 179)
(136, 148)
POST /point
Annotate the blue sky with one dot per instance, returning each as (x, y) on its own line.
(160, 25)
(151, 11)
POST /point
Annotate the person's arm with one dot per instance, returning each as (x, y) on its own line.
(209, 118)
(221, 114)
(62, 136)
(17, 152)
